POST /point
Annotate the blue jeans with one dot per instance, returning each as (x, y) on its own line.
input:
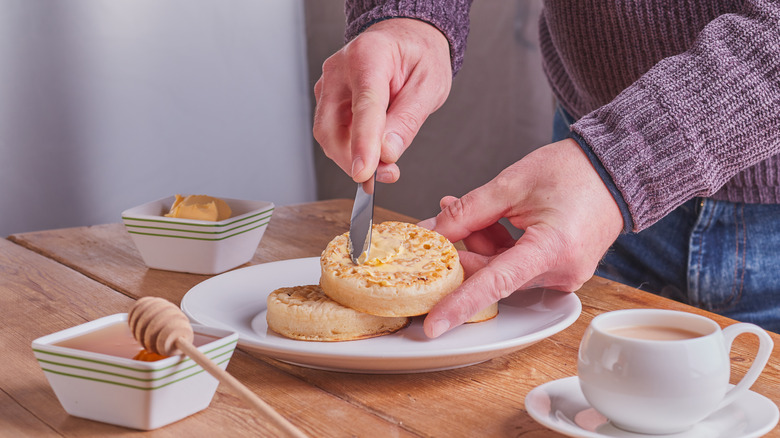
(716, 255)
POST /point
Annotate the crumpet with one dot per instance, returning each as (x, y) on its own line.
(305, 313)
(408, 270)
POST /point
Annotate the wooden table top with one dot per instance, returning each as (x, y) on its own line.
(52, 280)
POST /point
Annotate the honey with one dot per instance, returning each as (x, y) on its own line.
(117, 340)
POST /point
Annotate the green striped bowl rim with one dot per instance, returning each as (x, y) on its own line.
(128, 385)
(116, 374)
(159, 221)
(145, 230)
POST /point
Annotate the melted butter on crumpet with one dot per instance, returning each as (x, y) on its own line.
(384, 248)
(400, 254)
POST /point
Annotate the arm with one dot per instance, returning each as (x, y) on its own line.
(694, 120)
(684, 128)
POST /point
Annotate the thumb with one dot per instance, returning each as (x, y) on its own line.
(516, 268)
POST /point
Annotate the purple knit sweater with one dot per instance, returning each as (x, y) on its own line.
(676, 98)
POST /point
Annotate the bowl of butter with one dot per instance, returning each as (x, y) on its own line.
(198, 234)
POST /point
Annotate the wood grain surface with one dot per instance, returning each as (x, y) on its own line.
(54, 279)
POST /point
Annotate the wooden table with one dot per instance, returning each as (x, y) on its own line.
(52, 280)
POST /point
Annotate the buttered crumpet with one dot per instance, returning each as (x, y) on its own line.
(305, 313)
(408, 270)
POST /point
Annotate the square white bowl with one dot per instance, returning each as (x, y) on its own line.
(126, 392)
(197, 246)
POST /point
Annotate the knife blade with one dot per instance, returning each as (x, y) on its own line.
(361, 221)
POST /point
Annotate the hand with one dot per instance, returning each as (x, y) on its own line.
(376, 92)
(569, 220)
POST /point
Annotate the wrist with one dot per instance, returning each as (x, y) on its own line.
(449, 17)
(606, 179)
(423, 33)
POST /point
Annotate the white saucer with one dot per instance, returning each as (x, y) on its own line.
(560, 406)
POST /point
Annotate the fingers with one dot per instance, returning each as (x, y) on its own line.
(472, 262)
(333, 114)
(429, 223)
(489, 241)
(493, 239)
(352, 98)
(349, 122)
(392, 144)
(371, 97)
(409, 109)
(447, 200)
(475, 211)
(387, 173)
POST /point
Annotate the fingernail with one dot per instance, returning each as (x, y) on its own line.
(429, 223)
(394, 146)
(384, 175)
(440, 327)
(357, 166)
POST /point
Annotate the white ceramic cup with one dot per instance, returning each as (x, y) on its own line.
(662, 386)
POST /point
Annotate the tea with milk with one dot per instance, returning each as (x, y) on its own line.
(654, 332)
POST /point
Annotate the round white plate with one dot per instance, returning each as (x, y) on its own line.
(560, 406)
(236, 300)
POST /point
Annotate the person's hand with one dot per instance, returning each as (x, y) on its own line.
(376, 92)
(569, 220)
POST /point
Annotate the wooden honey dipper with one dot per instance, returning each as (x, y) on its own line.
(160, 327)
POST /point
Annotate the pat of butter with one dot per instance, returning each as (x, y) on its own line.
(383, 250)
(200, 207)
(389, 254)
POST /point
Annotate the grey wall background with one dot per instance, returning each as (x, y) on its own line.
(500, 108)
(108, 104)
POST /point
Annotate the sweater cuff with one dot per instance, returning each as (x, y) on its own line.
(451, 17)
(628, 223)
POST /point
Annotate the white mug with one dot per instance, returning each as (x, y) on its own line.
(662, 371)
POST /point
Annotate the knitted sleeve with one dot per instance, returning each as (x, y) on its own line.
(451, 17)
(696, 119)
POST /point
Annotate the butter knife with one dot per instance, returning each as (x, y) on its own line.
(361, 221)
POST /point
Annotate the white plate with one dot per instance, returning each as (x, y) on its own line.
(560, 406)
(236, 300)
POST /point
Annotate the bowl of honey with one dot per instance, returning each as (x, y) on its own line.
(98, 371)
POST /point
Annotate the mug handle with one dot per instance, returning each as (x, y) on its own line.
(765, 345)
